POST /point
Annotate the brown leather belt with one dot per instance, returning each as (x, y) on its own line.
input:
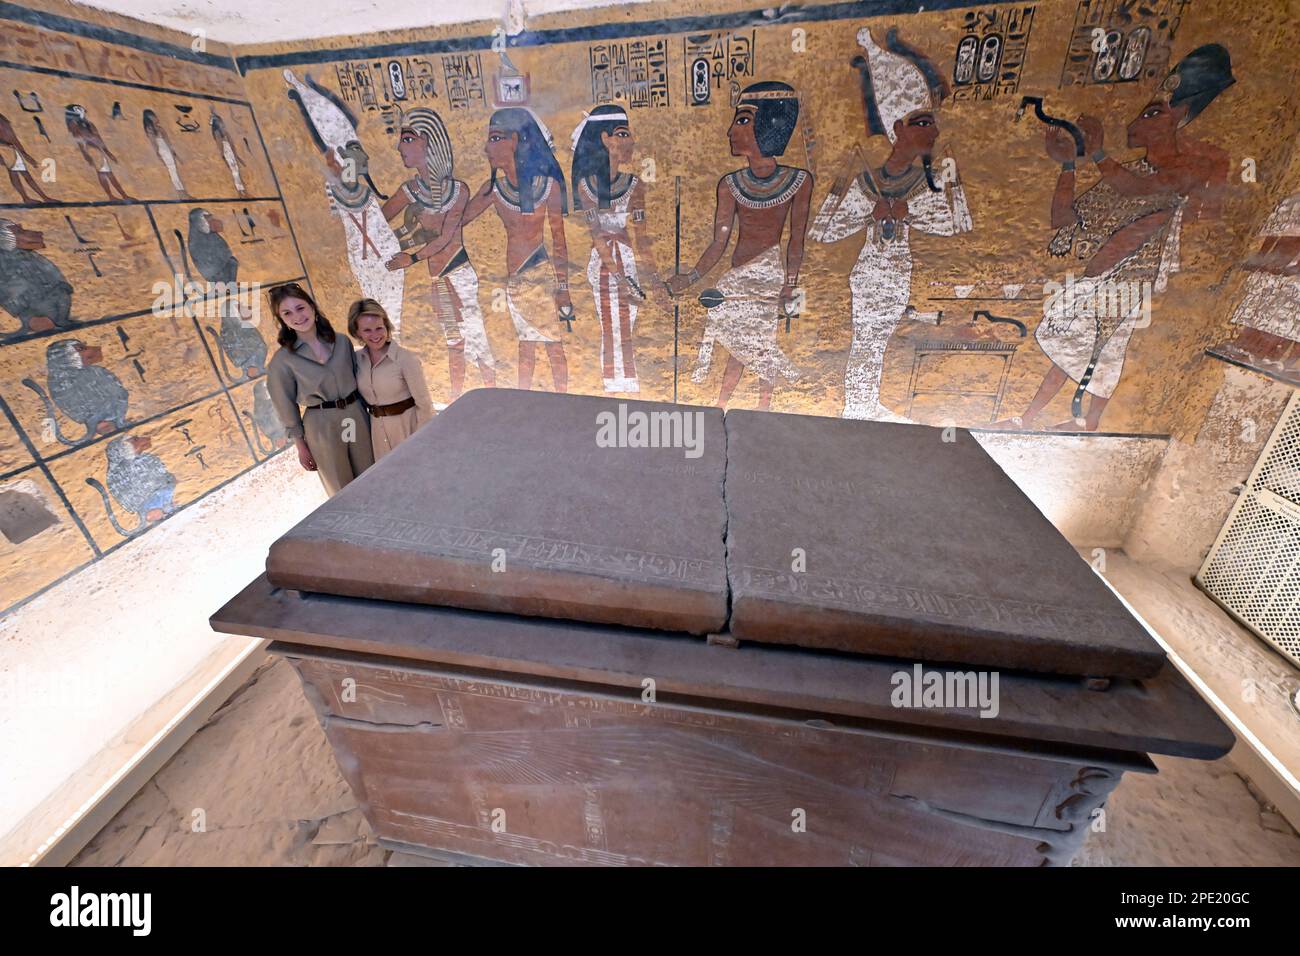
(394, 409)
(341, 403)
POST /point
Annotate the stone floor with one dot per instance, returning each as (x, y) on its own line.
(258, 786)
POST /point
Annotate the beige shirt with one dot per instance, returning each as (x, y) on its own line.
(295, 378)
(399, 375)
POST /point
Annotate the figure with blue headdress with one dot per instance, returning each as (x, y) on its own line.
(528, 192)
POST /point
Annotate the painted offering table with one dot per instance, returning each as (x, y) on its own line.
(620, 691)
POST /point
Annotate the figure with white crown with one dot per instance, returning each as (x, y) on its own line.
(901, 92)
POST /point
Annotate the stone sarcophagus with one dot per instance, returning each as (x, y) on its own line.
(572, 630)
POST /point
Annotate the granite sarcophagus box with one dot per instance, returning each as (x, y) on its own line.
(567, 629)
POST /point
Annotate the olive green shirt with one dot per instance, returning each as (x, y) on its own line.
(295, 378)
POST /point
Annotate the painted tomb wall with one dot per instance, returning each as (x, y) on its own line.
(939, 297)
(855, 278)
(1195, 487)
(137, 199)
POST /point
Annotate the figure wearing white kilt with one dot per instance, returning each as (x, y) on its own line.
(746, 321)
(900, 100)
(1087, 325)
(613, 203)
(455, 288)
(1124, 232)
(431, 205)
(764, 200)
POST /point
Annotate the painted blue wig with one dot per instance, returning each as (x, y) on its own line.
(533, 155)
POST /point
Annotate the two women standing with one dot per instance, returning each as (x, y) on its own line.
(333, 432)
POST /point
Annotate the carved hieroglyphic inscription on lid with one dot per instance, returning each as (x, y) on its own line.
(858, 595)
(538, 551)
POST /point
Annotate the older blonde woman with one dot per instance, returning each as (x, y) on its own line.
(389, 378)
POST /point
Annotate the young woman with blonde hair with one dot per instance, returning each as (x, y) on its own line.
(389, 377)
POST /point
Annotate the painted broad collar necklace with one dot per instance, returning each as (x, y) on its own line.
(540, 188)
(618, 187)
(761, 192)
(353, 195)
(422, 193)
(887, 185)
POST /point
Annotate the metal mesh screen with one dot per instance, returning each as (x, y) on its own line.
(1253, 570)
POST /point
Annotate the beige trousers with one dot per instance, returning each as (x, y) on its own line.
(338, 460)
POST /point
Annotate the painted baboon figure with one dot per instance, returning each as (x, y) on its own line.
(208, 249)
(139, 482)
(82, 389)
(431, 204)
(760, 287)
(32, 288)
(241, 350)
(611, 199)
(528, 192)
(265, 421)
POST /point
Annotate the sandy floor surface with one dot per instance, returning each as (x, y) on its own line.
(258, 786)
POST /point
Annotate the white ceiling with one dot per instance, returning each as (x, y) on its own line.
(268, 21)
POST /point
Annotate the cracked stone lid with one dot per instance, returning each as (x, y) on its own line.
(888, 539)
(560, 506)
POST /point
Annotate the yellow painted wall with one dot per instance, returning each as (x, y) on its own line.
(1007, 178)
(181, 406)
(196, 416)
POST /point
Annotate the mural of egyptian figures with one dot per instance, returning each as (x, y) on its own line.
(750, 297)
(610, 198)
(431, 204)
(19, 167)
(163, 147)
(231, 157)
(1127, 227)
(528, 192)
(1269, 311)
(89, 142)
(352, 196)
(901, 92)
